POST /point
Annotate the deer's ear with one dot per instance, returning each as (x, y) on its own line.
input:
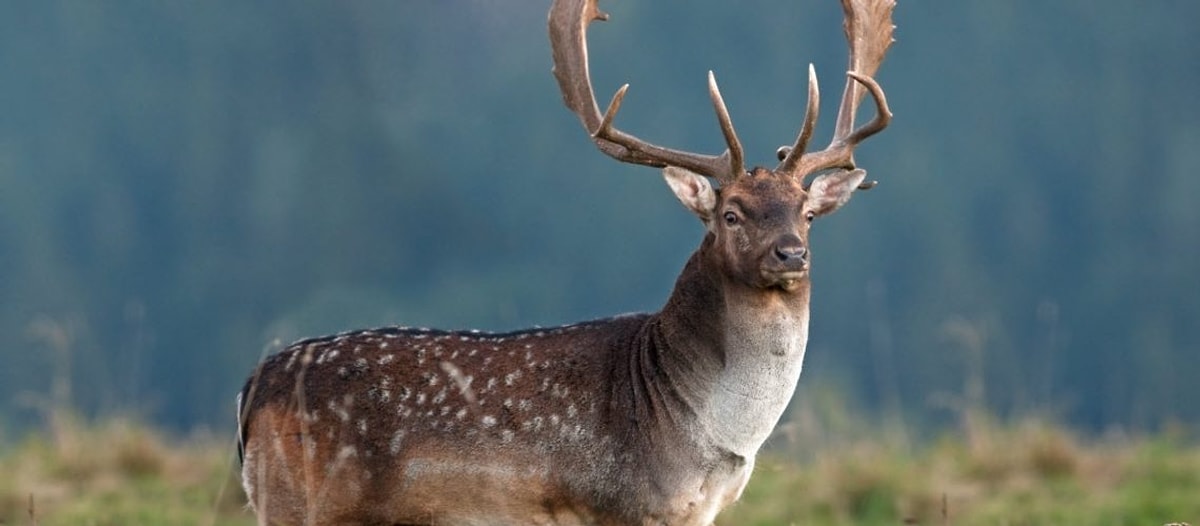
(693, 190)
(830, 191)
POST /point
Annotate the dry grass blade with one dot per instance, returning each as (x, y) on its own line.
(32, 512)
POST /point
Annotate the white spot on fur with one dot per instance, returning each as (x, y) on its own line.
(338, 410)
(488, 420)
(512, 377)
(463, 382)
(380, 393)
(386, 359)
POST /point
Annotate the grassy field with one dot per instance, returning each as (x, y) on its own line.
(1024, 474)
(117, 472)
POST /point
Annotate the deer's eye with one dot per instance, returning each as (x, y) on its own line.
(808, 216)
(731, 218)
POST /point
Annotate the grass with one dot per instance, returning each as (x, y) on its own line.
(118, 471)
(1028, 473)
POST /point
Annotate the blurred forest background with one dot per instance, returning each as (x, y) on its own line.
(187, 185)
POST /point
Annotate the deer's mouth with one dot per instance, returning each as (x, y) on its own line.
(787, 280)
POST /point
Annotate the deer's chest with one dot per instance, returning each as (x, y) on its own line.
(702, 495)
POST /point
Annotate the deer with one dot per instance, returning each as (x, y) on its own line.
(648, 419)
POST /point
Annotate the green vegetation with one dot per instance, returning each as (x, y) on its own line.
(120, 472)
(1030, 473)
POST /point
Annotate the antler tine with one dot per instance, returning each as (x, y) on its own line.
(734, 146)
(883, 115)
(868, 29)
(568, 23)
(791, 156)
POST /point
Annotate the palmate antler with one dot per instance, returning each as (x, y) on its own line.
(869, 32)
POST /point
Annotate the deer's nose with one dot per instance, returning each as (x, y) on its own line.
(791, 250)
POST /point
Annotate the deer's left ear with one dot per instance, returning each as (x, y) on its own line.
(693, 190)
(830, 191)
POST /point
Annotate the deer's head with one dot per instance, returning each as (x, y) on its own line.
(759, 219)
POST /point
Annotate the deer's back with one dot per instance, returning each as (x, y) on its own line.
(404, 425)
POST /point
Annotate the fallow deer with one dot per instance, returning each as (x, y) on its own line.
(638, 419)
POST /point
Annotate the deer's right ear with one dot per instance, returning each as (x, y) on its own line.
(693, 190)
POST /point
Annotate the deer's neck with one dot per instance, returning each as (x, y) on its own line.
(730, 356)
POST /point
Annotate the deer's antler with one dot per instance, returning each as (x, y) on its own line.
(568, 23)
(868, 30)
